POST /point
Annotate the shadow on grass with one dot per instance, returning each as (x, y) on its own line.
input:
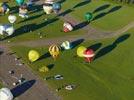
(76, 43)
(35, 8)
(14, 10)
(65, 12)
(116, 8)
(32, 18)
(95, 47)
(50, 66)
(20, 89)
(46, 55)
(61, 1)
(82, 3)
(81, 25)
(107, 49)
(103, 7)
(30, 27)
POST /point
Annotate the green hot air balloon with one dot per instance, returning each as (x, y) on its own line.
(20, 2)
(88, 16)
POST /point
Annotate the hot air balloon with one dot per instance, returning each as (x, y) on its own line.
(48, 9)
(4, 8)
(66, 45)
(89, 54)
(88, 16)
(33, 55)
(80, 51)
(67, 27)
(56, 7)
(23, 11)
(6, 29)
(5, 94)
(12, 19)
(20, 2)
(54, 50)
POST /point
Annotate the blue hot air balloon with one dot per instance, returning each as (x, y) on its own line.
(20, 2)
(56, 6)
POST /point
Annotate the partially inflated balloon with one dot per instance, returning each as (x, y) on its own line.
(33, 55)
(56, 6)
(20, 2)
(6, 94)
(88, 16)
(80, 51)
(12, 18)
(66, 45)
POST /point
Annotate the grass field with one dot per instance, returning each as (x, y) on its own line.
(109, 77)
(108, 16)
(0, 85)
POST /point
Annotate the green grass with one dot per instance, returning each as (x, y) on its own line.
(109, 77)
(111, 21)
(1, 85)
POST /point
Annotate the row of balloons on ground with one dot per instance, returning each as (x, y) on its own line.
(54, 51)
(49, 6)
(9, 29)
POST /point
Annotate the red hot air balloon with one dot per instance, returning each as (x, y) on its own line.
(89, 54)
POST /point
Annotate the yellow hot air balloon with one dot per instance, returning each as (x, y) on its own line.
(54, 50)
(80, 51)
(33, 55)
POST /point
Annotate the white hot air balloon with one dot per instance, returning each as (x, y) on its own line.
(67, 27)
(12, 19)
(6, 29)
(5, 94)
(1, 29)
(66, 45)
(48, 6)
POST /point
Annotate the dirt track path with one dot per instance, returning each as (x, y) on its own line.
(86, 37)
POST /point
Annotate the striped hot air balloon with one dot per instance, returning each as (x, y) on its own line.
(54, 50)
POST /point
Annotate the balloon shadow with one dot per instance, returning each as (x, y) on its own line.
(61, 1)
(14, 10)
(103, 7)
(20, 89)
(81, 25)
(32, 18)
(107, 49)
(65, 12)
(82, 3)
(95, 47)
(106, 13)
(76, 43)
(46, 55)
(50, 66)
(35, 8)
(30, 28)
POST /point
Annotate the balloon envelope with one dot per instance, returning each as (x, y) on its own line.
(66, 45)
(56, 6)
(12, 18)
(67, 26)
(47, 8)
(54, 50)
(6, 29)
(20, 2)
(5, 94)
(89, 53)
(33, 55)
(80, 51)
(88, 16)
